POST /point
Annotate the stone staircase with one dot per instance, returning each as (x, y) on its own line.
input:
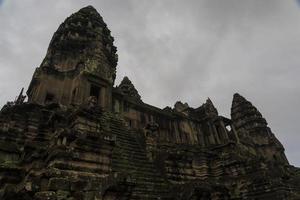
(130, 157)
(265, 190)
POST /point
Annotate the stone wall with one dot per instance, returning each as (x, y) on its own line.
(93, 141)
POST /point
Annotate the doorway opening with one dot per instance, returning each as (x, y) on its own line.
(95, 91)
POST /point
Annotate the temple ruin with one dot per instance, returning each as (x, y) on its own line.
(80, 137)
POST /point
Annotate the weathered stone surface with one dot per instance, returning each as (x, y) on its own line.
(127, 89)
(80, 138)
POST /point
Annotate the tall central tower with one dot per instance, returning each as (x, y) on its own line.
(81, 62)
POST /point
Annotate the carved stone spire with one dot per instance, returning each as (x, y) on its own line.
(83, 40)
(253, 130)
(246, 116)
(80, 62)
(210, 109)
(206, 110)
(127, 88)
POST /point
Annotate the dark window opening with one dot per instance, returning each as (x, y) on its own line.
(95, 91)
(130, 123)
(49, 98)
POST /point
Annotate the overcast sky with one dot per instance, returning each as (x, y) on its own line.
(178, 50)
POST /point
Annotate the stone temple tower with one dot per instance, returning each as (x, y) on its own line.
(63, 145)
(253, 129)
(80, 63)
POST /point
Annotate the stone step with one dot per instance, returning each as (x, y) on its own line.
(119, 167)
(56, 172)
(133, 155)
(132, 158)
(130, 145)
(133, 162)
(99, 169)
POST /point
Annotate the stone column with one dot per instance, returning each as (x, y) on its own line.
(235, 133)
(224, 130)
(219, 141)
(212, 138)
(200, 134)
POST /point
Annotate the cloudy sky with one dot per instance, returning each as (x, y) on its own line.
(178, 50)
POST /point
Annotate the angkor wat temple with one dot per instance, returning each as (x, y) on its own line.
(79, 137)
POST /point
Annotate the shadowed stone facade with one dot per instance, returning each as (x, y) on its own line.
(80, 137)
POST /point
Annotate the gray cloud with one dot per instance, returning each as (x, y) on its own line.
(178, 50)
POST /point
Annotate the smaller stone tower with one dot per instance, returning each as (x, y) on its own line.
(127, 89)
(80, 63)
(253, 130)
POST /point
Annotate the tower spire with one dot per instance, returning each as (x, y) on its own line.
(245, 115)
(253, 129)
(82, 39)
(127, 88)
(80, 62)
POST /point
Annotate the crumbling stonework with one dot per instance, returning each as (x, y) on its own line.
(79, 137)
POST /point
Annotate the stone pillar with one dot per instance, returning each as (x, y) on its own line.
(177, 132)
(215, 131)
(224, 130)
(200, 134)
(193, 132)
(235, 133)
(212, 138)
